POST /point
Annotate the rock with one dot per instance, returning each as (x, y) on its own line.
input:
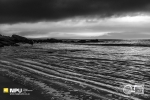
(1, 45)
(12, 41)
(18, 39)
(6, 41)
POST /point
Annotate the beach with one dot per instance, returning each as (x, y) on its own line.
(78, 72)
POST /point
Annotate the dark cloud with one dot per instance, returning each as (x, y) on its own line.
(13, 11)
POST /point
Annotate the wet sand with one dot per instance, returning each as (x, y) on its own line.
(78, 72)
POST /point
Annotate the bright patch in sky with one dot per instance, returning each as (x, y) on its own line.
(90, 34)
(134, 19)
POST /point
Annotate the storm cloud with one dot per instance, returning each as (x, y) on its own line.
(14, 11)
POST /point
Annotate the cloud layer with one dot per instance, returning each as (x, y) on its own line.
(14, 11)
(121, 27)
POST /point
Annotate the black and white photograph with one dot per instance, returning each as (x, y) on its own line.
(74, 49)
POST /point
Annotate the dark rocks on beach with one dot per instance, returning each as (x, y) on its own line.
(12, 41)
(1, 45)
(18, 39)
(6, 41)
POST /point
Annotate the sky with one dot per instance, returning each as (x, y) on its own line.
(73, 19)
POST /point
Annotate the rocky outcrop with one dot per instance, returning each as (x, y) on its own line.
(6, 41)
(18, 39)
(13, 40)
